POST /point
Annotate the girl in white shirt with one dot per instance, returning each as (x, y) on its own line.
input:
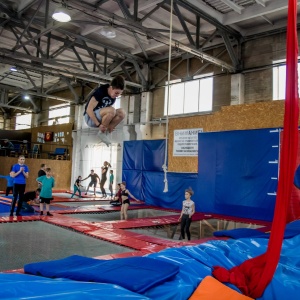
(188, 209)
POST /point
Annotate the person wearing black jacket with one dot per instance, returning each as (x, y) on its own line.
(93, 181)
(28, 200)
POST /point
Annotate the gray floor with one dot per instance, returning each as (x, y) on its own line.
(26, 242)
(115, 215)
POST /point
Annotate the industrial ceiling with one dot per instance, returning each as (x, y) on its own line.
(49, 55)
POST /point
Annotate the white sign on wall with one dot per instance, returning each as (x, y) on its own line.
(186, 142)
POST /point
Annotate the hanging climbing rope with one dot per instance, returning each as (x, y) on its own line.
(164, 166)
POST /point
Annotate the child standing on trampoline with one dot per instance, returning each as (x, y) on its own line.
(188, 209)
(47, 183)
(77, 185)
(125, 200)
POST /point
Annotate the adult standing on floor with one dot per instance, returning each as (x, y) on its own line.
(20, 172)
(104, 170)
(93, 181)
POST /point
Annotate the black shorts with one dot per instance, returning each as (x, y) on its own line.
(93, 183)
(45, 200)
(126, 201)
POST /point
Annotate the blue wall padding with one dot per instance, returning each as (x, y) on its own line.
(235, 173)
(146, 181)
(297, 177)
(133, 155)
(153, 155)
(133, 180)
(137, 274)
(153, 186)
(292, 229)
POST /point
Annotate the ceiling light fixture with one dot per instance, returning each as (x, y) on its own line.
(62, 14)
(108, 31)
(13, 69)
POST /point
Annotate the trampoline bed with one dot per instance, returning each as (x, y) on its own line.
(115, 215)
(42, 241)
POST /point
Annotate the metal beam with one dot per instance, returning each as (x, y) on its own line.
(237, 8)
(17, 107)
(15, 34)
(79, 58)
(51, 66)
(183, 24)
(30, 79)
(66, 46)
(158, 6)
(127, 74)
(136, 26)
(189, 5)
(29, 23)
(140, 73)
(76, 97)
(230, 50)
(127, 15)
(3, 86)
(164, 76)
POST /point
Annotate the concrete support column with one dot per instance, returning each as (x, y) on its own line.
(146, 114)
(76, 154)
(237, 95)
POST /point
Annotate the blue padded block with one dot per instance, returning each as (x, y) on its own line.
(137, 274)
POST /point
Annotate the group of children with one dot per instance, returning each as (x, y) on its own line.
(94, 180)
(121, 198)
(16, 182)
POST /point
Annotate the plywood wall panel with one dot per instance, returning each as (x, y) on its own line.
(238, 117)
(61, 171)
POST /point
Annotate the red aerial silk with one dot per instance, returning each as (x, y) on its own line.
(253, 276)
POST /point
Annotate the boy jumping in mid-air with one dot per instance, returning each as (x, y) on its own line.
(99, 111)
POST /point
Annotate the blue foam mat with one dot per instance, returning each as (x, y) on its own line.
(145, 272)
(195, 263)
(20, 286)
